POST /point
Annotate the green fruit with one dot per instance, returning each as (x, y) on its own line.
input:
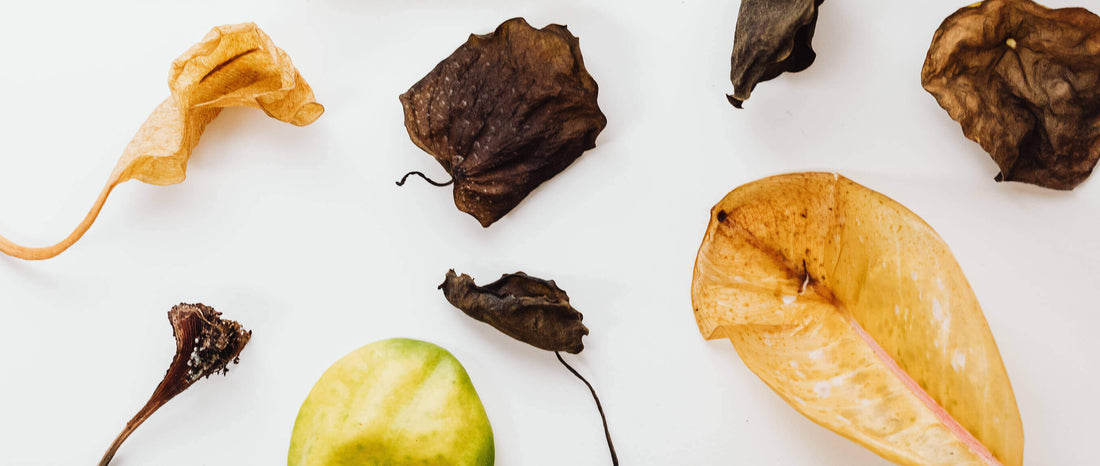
(393, 402)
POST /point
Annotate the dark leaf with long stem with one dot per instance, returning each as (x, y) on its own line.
(531, 310)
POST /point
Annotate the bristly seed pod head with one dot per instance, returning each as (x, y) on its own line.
(205, 345)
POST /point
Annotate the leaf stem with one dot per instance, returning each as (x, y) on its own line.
(606, 432)
(429, 180)
(23, 252)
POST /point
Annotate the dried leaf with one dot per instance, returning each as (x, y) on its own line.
(205, 345)
(504, 113)
(233, 66)
(772, 36)
(1024, 82)
(855, 312)
(529, 309)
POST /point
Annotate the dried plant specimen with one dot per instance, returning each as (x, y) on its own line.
(772, 37)
(504, 113)
(855, 312)
(205, 345)
(531, 310)
(1024, 82)
(233, 66)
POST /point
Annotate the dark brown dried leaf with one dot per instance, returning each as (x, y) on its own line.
(772, 36)
(529, 309)
(1024, 82)
(205, 345)
(504, 113)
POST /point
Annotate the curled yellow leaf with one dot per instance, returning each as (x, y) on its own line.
(854, 311)
(233, 66)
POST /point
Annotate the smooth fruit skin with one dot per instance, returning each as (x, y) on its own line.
(393, 402)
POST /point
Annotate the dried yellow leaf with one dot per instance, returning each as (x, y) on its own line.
(233, 66)
(855, 312)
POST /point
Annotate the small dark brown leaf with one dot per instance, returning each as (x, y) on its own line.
(772, 36)
(529, 309)
(504, 113)
(1024, 82)
(205, 345)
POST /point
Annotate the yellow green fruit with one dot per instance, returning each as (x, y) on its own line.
(393, 402)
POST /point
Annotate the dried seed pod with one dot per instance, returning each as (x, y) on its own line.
(205, 345)
(772, 36)
(529, 309)
(1024, 82)
(504, 113)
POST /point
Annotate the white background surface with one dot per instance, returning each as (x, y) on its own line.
(300, 234)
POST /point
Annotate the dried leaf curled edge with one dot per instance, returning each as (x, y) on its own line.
(1023, 80)
(233, 66)
(853, 310)
(531, 310)
(772, 37)
(504, 113)
(205, 345)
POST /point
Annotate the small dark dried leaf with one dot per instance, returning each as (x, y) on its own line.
(772, 36)
(1024, 82)
(205, 345)
(504, 113)
(529, 309)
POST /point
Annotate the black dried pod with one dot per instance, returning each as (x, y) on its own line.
(529, 309)
(772, 36)
(1023, 80)
(205, 345)
(504, 113)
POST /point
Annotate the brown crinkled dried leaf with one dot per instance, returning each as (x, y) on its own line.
(233, 66)
(205, 345)
(529, 309)
(504, 113)
(1024, 82)
(772, 37)
(855, 312)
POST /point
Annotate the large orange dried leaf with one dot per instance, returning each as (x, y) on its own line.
(854, 311)
(233, 66)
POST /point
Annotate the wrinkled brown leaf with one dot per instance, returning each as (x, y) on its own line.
(504, 113)
(529, 309)
(233, 66)
(205, 345)
(1024, 82)
(772, 37)
(855, 312)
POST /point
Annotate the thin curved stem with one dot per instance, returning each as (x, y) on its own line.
(131, 426)
(606, 432)
(429, 180)
(23, 252)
